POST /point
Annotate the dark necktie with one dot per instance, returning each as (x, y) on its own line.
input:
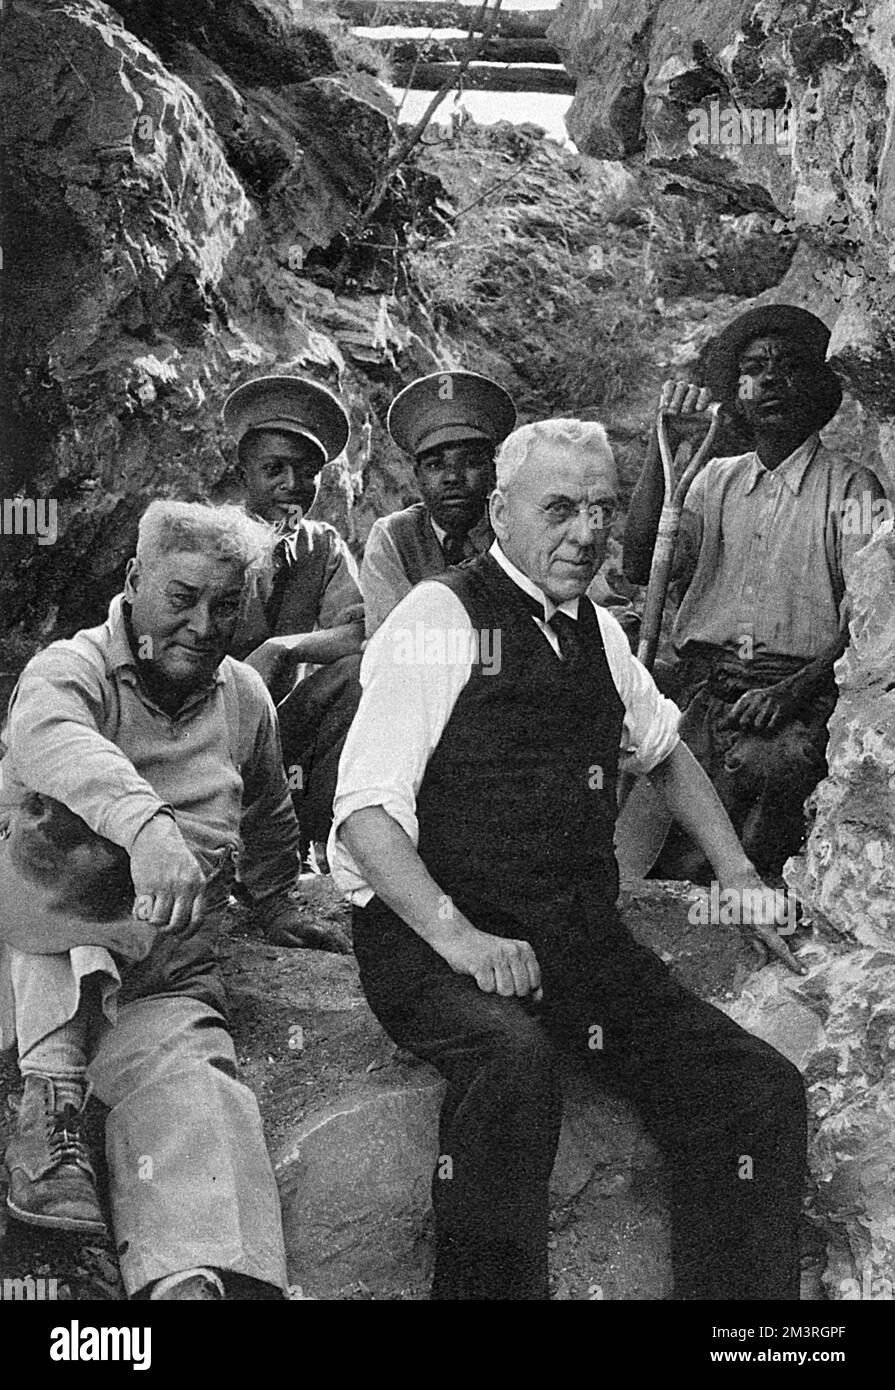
(569, 635)
(278, 586)
(453, 547)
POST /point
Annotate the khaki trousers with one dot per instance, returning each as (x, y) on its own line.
(190, 1180)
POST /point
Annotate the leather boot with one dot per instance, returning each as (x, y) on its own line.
(51, 1179)
(202, 1285)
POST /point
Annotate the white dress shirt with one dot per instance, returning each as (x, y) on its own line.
(407, 702)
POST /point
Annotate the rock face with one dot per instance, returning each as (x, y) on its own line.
(848, 873)
(171, 170)
(847, 879)
(666, 84)
(838, 1023)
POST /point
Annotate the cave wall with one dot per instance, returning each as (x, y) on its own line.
(643, 67)
(838, 1022)
(171, 172)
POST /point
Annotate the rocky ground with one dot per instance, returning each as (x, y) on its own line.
(350, 1123)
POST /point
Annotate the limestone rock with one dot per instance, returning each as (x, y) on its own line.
(848, 869)
(169, 171)
(823, 165)
(354, 1186)
(845, 878)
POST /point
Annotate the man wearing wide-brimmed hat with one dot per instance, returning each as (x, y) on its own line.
(761, 559)
(450, 424)
(303, 631)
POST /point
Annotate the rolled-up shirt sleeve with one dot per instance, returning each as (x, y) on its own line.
(650, 729)
(404, 707)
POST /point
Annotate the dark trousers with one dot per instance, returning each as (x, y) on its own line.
(314, 720)
(726, 1109)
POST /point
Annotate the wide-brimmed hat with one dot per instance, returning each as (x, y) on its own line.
(291, 403)
(448, 408)
(772, 320)
(62, 885)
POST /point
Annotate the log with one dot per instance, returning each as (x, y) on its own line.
(432, 14)
(401, 50)
(428, 77)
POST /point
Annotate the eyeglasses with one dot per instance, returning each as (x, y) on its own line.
(600, 514)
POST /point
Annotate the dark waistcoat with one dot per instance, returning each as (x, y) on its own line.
(517, 805)
(418, 547)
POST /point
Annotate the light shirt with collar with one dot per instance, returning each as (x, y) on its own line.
(84, 730)
(569, 606)
(769, 551)
(406, 704)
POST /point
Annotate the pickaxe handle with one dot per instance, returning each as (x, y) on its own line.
(669, 524)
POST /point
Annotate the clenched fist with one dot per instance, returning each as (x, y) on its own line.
(496, 964)
(168, 881)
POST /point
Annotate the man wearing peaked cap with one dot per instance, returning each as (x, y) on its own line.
(293, 405)
(303, 633)
(450, 423)
(761, 559)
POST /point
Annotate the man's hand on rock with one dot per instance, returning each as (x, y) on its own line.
(766, 710)
(759, 911)
(285, 924)
(497, 965)
(168, 881)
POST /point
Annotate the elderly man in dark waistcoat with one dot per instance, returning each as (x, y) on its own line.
(473, 831)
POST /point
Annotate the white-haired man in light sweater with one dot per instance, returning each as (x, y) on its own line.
(142, 739)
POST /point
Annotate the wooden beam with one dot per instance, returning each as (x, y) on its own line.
(428, 77)
(401, 50)
(432, 14)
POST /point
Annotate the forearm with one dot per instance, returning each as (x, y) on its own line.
(643, 518)
(320, 648)
(268, 862)
(805, 684)
(695, 805)
(388, 861)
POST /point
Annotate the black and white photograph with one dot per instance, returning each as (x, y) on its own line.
(447, 669)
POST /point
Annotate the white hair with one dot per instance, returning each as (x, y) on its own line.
(226, 532)
(586, 435)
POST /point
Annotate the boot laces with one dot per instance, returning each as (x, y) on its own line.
(65, 1139)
